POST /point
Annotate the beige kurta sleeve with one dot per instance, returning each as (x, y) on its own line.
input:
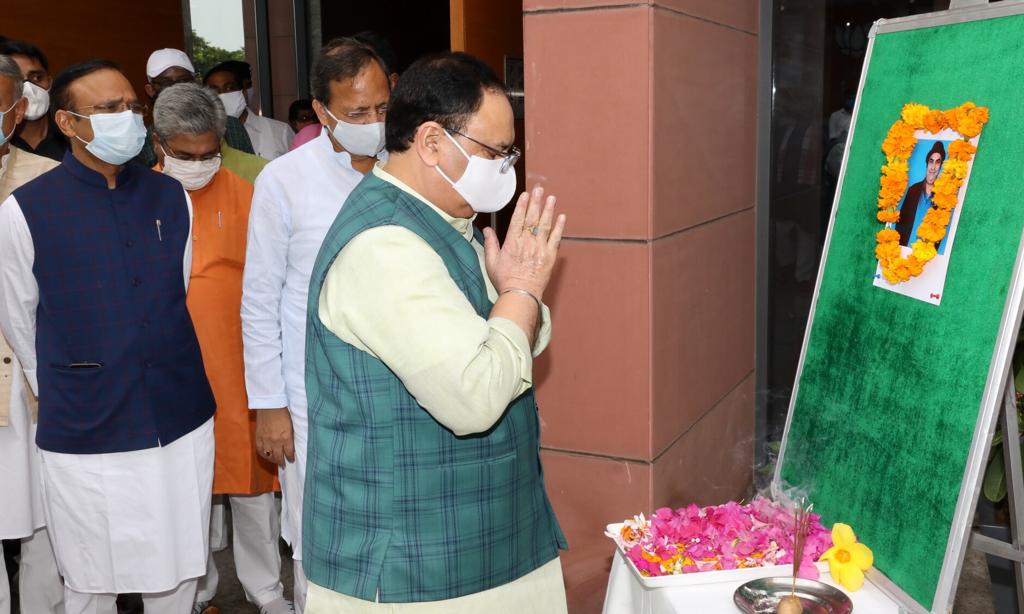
(389, 293)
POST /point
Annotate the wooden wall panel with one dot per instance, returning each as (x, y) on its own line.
(69, 31)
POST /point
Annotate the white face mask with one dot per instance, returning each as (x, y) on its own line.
(483, 185)
(38, 101)
(116, 137)
(193, 174)
(234, 103)
(358, 139)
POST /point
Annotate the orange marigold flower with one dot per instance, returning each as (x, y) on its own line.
(962, 150)
(887, 234)
(968, 127)
(890, 276)
(888, 216)
(935, 121)
(931, 232)
(980, 115)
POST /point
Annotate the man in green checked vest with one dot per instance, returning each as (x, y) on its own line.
(424, 489)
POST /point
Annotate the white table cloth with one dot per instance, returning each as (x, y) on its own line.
(628, 595)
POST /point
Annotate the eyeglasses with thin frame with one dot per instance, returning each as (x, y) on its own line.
(114, 106)
(510, 157)
(170, 152)
(360, 116)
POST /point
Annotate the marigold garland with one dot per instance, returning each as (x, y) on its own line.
(968, 119)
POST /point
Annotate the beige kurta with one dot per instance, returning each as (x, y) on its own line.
(460, 368)
(16, 169)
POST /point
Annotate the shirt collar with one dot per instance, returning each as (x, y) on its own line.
(86, 175)
(462, 224)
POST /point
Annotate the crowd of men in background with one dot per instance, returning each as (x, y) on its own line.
(202, 307)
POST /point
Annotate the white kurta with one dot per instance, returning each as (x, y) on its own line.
(126, 522)
(294, 204)
(21, 512)
(270, 138)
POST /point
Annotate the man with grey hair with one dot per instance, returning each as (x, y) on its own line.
(188, 123)
(21, 515)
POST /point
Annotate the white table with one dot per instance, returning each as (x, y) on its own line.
(709, 592)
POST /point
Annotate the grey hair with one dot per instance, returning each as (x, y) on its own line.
(10, 69)
(188, 108)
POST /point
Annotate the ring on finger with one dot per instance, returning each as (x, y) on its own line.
(535, 230)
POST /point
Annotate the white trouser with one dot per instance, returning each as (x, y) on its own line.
(256, 527)
(300, 588)
(39, 585)
(176, 601)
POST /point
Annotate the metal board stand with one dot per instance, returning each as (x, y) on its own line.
(999, 386)
(1012, 551)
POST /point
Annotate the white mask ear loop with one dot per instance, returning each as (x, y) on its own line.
(461, 150)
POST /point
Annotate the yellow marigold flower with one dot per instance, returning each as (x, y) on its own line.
(924, 251)
(847, 559)
(913, 114)
(957, 168)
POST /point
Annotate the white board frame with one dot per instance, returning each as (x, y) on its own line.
(970, 485)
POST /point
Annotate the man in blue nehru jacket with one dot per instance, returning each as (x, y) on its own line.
(95, 256)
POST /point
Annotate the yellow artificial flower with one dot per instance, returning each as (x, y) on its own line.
(847, 559)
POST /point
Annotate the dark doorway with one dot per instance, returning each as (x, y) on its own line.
(413, 27)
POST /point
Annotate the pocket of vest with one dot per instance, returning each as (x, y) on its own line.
(75, 367)
(503, 458)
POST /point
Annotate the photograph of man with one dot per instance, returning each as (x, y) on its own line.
(918, 198)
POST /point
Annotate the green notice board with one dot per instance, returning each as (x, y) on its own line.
(890, 388)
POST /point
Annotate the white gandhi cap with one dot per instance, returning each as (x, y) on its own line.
(162, 59)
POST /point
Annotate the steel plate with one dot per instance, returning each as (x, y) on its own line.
(762, 596)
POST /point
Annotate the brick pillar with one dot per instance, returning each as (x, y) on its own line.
(641, 118)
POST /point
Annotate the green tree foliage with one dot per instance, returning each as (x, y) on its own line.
(205, 56)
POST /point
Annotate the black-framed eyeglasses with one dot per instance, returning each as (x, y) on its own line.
(510, 156)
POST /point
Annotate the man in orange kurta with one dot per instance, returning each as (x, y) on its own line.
(189, 124)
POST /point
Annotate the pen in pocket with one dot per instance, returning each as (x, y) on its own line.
(159, 235)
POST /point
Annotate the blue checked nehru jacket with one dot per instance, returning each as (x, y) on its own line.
(397, 506)
(112, 297)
